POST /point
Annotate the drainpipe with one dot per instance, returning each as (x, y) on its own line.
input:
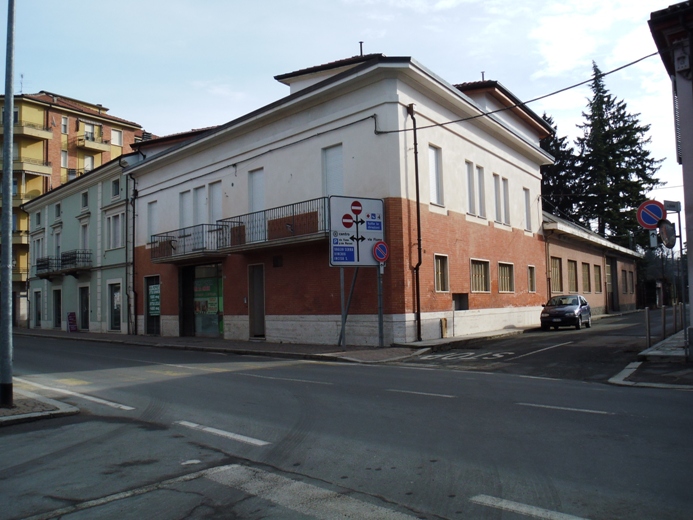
(410, 111)
(132, 324)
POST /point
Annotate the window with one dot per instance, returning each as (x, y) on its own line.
(89, 133)
(572, 276)
(441, 266)
(435, 175)
(117, 137)
(624, 281)
(631, 282)
(14, 221)
(15, 119)
(37, 308)
(37, 249)
(58, 211)
(497, 197)
(528, 210)
(556, 275)
(531, 279)
(215, 200)
(185, 215)
(114, 231)
(506, 202)
(38, 219)
(506, 278)
(63, 124)
(88, 163)
(200, 209)
(480, 276)
(57, 239)
(152, 220)
(586, 279)
(482, 192)
(115, 188)
(85, 199)
(84, 236)
(471, 191)
(63, 158)
(597, 278)
(333, 170)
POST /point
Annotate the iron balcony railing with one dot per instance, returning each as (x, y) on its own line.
(199, 240)
(69, 262)
(296, 222)
(75, 259)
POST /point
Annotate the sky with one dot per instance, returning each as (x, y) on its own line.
(175, 65)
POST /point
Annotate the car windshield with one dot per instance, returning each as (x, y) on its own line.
(563, 300)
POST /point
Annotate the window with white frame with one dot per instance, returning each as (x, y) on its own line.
(85, 199)
(528, 210)
(497, 197)
(63, 158)
(506, 278)
(185, 214)
(114, 231)
(38, 219)
(88, 163)
(57, 243)
(58, 211)
(333, 170)
(501, 196)
(506, 202)
(84, 235)
(441, 273)
(63, 125)
(36, 248)
(115, 188)
(117, 137)
(200, 208)
(435, 175)
(480, 276)
(531, 279)
(471, 191)
(215, 202)
(152, 219)
(480, 186)
(89, 132)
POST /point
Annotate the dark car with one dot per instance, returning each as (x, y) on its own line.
(566, 310)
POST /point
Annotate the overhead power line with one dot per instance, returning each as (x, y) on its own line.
(523, 103)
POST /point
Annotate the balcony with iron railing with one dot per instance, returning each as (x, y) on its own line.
(30, 129)
(294, 223)
(30, 165)
(189, 243)
(68, 263)
(90, 141)
(69, 174)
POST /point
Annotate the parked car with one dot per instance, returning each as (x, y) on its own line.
(566, 310)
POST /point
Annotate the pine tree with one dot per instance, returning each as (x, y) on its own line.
(615, 169)
(559, 187)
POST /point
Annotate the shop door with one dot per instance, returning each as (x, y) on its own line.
(153, 322)
(256, 300)
(84, 308)
(209, 301)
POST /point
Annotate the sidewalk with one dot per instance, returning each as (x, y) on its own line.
(662, 366)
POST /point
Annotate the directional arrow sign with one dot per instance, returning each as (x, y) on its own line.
(650, 213)
(356, 225)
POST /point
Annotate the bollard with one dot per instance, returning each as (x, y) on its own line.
(648, 339)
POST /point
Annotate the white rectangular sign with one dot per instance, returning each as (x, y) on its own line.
(356, 225)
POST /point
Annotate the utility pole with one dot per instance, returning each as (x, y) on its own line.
(6, 394)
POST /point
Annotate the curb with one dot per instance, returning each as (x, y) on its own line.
(62, 410)
(620, 379)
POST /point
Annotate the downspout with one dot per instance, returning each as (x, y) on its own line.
(132, 307)
(410, 111)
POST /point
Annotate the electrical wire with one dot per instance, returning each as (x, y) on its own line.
(523, 103)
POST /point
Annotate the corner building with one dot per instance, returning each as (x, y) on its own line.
(232, 234)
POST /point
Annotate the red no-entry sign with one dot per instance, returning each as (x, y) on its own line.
(347, 221)
(356, 207)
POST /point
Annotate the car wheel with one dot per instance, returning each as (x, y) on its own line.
(589, 321)
(544, 326)
(578, 323)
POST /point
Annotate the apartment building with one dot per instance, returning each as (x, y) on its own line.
(56, 139)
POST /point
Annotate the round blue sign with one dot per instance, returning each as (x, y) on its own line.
(380, 251)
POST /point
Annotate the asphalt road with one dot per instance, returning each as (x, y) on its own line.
(178, 434)
(594, 354)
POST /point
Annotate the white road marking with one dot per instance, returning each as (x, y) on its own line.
(285, 379)
(541, 350)
(564, 408)
(303, 498)
(81, 396)
(420, 393)
(223, 433)
(523, 509)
